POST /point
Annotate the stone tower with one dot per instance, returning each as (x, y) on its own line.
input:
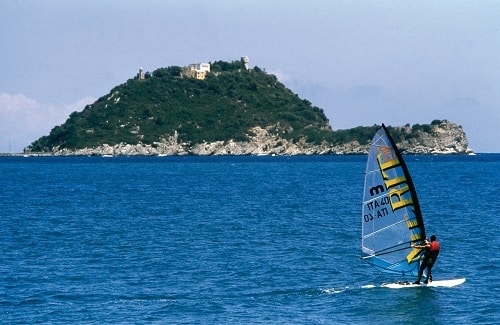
(245, 60)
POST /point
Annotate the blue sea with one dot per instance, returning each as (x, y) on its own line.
(234, 240)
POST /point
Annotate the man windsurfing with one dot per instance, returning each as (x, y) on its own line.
(430, 255)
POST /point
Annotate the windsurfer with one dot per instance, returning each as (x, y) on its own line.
(430, 255)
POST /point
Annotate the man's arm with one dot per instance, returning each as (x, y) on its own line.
(421, 246)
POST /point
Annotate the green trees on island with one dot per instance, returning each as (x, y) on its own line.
(223, 106)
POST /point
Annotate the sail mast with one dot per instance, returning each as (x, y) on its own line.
(409, 180)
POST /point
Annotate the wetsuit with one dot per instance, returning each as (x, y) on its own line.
(430, 257)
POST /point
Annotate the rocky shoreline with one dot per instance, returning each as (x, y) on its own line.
(445, 138)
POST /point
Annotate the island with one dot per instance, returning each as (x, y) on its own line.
(222, 108)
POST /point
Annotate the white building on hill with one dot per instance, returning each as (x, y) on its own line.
(197, 70)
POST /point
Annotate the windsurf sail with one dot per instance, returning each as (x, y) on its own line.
(391, 217)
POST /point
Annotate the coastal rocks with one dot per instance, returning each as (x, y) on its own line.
(442, 138)
(260, 143)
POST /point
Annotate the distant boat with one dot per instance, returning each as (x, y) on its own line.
(107, 156)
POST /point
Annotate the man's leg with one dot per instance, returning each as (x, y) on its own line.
(420, 272)
(429, 274)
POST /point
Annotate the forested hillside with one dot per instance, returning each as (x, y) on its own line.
(228, 105)
(223, 106)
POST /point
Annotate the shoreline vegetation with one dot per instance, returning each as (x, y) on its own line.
(223, 109)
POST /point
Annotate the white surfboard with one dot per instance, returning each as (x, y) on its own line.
(437, 283)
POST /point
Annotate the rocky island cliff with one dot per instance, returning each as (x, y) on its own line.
(222, 108)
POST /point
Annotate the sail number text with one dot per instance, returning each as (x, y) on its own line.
(376, 209)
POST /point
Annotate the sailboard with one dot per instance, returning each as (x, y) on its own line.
(437, 283)
(391, 217)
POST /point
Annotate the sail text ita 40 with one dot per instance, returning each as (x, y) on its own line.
(377, 208)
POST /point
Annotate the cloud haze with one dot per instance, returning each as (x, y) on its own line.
(23, 119)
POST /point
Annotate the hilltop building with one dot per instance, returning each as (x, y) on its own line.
(245, 60)
(198, 70)
(141, 74)
(195, 70)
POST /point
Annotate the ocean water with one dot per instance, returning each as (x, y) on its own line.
(234, 240)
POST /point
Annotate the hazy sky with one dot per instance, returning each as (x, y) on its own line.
(362, 62)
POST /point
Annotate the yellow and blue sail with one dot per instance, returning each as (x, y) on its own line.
(391, 217)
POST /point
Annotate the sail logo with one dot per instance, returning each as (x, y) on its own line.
(400, 196)
(376, 190)
(397, 186)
